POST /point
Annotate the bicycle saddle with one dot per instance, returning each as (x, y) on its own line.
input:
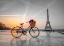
(21, 23)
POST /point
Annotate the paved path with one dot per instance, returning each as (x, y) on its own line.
(44, 39)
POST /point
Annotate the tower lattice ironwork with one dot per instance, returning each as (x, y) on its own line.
(48, 26)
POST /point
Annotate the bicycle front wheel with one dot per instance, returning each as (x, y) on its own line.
(16, 32)
(34, 32)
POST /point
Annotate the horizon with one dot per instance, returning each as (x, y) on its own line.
(12, 13)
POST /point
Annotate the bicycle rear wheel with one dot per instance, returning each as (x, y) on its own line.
(34, 32)
(16, 32)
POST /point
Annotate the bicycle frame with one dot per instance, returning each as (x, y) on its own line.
(25, 30)
(22, 31)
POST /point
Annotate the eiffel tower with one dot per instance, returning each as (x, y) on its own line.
(48, 26)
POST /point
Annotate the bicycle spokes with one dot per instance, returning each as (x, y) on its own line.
(16, 32)
(34, 32)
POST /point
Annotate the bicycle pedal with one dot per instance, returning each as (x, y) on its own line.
(24, 33)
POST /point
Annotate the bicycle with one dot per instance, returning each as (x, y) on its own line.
(18, 31)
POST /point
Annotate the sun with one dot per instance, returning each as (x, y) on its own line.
(15, 24)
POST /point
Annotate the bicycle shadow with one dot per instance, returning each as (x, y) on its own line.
(18, 42)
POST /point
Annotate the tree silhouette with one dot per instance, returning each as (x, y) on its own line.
(3, 26)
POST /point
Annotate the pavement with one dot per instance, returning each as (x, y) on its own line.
(44, 39)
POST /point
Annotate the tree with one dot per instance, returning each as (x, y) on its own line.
(3, 26)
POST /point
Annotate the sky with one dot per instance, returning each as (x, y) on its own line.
(14, 12)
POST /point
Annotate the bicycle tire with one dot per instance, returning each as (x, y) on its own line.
(33, 31)
(16, 32)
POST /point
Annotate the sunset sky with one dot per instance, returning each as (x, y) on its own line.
(14, 12)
